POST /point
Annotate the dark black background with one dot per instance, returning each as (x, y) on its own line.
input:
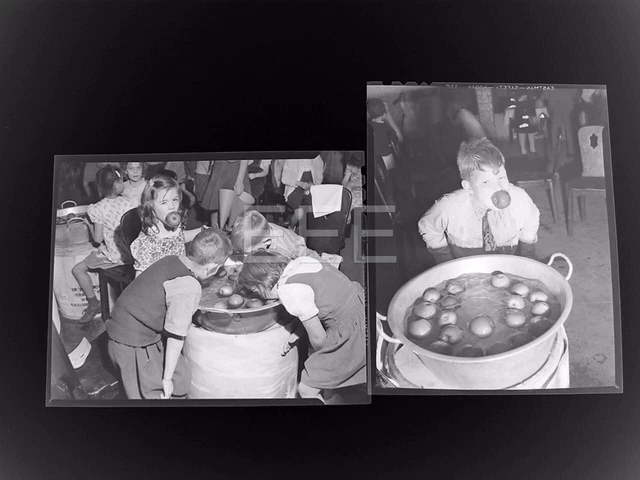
(128, 77)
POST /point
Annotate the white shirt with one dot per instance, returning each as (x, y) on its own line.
(457, 218)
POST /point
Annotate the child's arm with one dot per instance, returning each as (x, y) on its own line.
(432, 227)
(171, 355)
(262, 173)
(96, 231)
(182, 296)
(316, 332)
(239, 185)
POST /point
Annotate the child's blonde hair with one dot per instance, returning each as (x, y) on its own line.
(478, 154)
(211, 245)
(248, 231)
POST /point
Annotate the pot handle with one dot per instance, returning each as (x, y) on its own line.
(67, 201)
(381, 338)
(566, 259)
(75, 220)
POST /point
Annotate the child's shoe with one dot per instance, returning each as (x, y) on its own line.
(89, 313)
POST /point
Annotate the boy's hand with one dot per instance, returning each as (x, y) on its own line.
(167, 387)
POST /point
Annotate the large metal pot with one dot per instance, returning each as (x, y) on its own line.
(242, 321)
(495, 371)
(73, 231)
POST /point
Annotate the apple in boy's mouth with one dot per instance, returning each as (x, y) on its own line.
(501, 199)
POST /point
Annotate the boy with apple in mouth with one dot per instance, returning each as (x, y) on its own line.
(152, 317)
(487, 215)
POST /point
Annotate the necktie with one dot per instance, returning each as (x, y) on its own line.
(488, 241)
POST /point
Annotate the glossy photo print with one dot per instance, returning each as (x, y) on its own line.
(498, 268)
(208, 279)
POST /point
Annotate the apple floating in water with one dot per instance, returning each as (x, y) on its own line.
(448, 317)
(220, 305)
(538, 325)
(173, 219)
(235, 301)
(443, 348)
(515, 301)
(514, 318)
(538, 296)
(455, 288)
(450, 301)
(425, 310)
(482, 326)
(221, 273)
(520, 289)
(497, 348)
(253, 303)
(451, 334)
(226, 290)
(501, 199)
(519, 339)
(540, 308)
(470, 351)
(499, 280)
(431, 295)
(420, 328)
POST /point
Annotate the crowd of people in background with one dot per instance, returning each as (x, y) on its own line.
(201, 183)
(188, 230)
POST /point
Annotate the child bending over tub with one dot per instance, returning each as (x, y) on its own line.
(152, 317)
(252, 232)
(104, 226)
(487, 215)
(329, 305)
(158, 238)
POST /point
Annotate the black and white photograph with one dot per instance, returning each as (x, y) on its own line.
(498, 268)
(208, 277)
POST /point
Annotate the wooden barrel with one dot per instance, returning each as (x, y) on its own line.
(69, 296)
(256, 365)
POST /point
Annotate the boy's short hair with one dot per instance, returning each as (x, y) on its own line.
(261, 271)
(479, 154)
(211, 245)
(249, 230)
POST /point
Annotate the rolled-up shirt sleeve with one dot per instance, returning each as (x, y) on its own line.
(530, 221)
(183, 298)
(299, 300)
(432, 227)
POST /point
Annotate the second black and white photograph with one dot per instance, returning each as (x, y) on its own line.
(494, 249)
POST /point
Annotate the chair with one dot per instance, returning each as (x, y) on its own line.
(546, 179)
(326, 234)
(591, 182)
(122, 275)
